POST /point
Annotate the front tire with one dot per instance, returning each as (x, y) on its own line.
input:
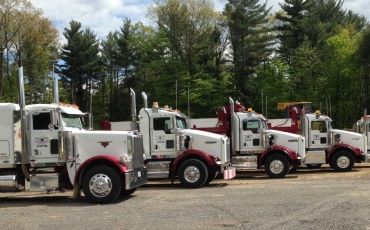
(211, 176)
(101, 184)
(276, 166)
(342, 161)
(193, 173)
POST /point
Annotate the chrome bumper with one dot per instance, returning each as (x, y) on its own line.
(136, 178)
(228, 171)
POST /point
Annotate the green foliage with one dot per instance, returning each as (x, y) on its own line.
(310, 51)
(250, 38)
(82, 64)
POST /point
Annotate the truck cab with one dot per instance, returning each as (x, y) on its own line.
(253, 145)
(173, 150)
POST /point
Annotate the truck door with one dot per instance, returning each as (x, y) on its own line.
(43, 137)
(163, 136)
(251, 135)
(318, 134)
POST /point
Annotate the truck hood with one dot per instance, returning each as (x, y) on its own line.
(211, 143)
(95, 143)
(292, 141)
(351, 138)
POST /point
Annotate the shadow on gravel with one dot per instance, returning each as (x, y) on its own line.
(177, 186)
(22, 199)
(304, 171)
(260, 176)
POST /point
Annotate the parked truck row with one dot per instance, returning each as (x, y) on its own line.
(44, 147)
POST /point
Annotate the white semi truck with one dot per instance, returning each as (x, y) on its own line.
(324, 144)
(173, 150)
(43, 147)
(253, 145)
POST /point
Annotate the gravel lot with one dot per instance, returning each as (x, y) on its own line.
(316, 199)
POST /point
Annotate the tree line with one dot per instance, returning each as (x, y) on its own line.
(309, 50)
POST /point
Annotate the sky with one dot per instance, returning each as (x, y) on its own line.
(103, 16)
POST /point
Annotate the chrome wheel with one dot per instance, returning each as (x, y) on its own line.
(100, 185)
(343, 162)
(191, 174)
(276, 166)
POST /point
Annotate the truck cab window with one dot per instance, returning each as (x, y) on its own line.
(181, 123)
(162, 123)
(41, 121)
(319, 125)
(72, 120)
(252, 125)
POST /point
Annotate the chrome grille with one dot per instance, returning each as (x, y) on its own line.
(138, 151)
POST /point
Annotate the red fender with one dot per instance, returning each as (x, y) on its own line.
(100, 159)
(194, 153)
(292, 155)
(358, 153)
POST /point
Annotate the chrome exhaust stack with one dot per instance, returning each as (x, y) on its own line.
(145, 99)
(234, 131)
(22, 105)
(56, 90)
(232, 106)
(133, 104)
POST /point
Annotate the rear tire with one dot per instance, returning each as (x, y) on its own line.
(101, 184)
(342, 161)
(276, 166)
(193, 173)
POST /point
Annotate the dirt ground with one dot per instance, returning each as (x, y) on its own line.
(307, 199)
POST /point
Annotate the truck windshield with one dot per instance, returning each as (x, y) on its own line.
(72, 120)
(181, 123)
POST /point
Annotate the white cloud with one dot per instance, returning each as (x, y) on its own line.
(104, 16)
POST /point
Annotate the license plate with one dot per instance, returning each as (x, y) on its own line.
(139, 174)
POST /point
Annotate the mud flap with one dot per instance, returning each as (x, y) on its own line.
(229, 173)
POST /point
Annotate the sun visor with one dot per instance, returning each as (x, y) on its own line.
(71, 110)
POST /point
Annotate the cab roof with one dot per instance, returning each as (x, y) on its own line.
(34, 107)
(253, 115)
(64, 108)
(165, 111)
(9, 106)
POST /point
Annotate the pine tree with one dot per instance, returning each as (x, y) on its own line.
(291, 25)
(251, 39)
(82, 62)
